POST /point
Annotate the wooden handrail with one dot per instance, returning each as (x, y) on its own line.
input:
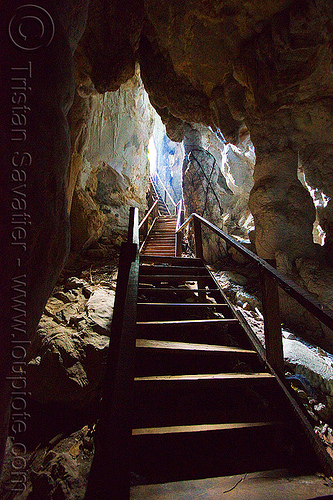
(114, 428)
(148, 214)
(165, 189)
(271, 279)
(179, 213)
(322, 312)
(153, 187)
(178, 243)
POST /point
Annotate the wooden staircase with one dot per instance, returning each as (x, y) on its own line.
(163, 209)
(205, 405)
(161, 238)
(189, 394)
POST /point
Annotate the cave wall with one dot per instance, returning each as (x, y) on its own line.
(217, 180)
(223, 65)
(169, 160)
(109, 161)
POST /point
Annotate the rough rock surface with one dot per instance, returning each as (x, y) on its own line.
(109, 162)
(57, 471)
(217, 180)
(169, 160)
(68, 355)
(312, 365)
(316, 366)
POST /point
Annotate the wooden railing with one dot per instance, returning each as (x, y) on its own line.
(167, 198)
(146, 222)
(114, 428)
(180, 220)
(271, 280)
(152, 194)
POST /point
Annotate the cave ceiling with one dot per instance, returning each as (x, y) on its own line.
(219, 63)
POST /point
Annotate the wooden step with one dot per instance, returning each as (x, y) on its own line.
(199, 428)
(152, 252)
(207, 379)
(160, 248)
(182, 261)
(277, 484)
(180, 311)
(194, 452)
(180, 278)
(182, 304)
(160, 357)
(198, 331)
(162, 245)
(188, 403)
(188, 322)
(154, 239)
(193, 348)
(172, 270)
(187, 291)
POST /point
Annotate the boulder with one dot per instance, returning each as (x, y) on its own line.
(100, 308)
(66, 366)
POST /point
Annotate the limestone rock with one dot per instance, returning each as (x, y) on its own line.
(304, 361)
(109, 164)
(217, 180)
(68, 354)
(57, 479)
(100, 308)
(87, 221)
(66, 366)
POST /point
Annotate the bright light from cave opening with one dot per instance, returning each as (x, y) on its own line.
(152, 156)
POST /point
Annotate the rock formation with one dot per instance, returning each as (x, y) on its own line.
(217, 180)
(109, 160)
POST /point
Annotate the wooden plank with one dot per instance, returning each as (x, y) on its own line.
(113, 434)
(174, 277)
(272, 485)
(198, 239)
(177, 429)
(180, 304)
(178, 245)
(182, 260)
(145, 219)
(210, 377)
(133, 226)
(181, 290)
(181, 270)
(272, 324)
(188, 322)
(163, 344)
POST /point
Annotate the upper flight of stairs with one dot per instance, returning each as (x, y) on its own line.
(162, 206)
(205, 404)
(161, 240)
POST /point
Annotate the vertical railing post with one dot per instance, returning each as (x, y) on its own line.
(272, 322)
(179, 244)
(179, 235)
(145, 228)
(198, 238)
(109, 475)
(199, 253)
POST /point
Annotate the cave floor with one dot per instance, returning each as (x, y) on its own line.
(272, 485)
